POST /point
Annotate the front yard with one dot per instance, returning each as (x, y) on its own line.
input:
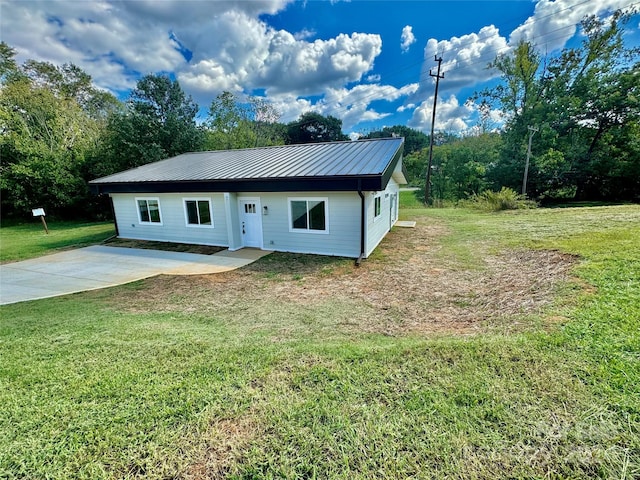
(473, 346)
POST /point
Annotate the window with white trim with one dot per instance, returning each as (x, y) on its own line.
(149, 210)
(377, 202)
(308, 215)
(198, 212)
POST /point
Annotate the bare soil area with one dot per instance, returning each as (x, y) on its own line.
(168, 246)
(409, 286)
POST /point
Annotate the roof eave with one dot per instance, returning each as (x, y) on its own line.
(299, 184)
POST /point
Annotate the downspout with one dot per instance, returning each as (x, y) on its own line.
(362, 224)
(113, 212)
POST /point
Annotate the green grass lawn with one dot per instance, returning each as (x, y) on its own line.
(266, 372)
(19, 242)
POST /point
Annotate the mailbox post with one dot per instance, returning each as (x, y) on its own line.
(39, 212)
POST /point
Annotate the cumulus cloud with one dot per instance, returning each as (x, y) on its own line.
(353, 105)
(465, 59)
(455, 118)
(409, 106)
(291, 106)
(210, 46)
(407, 38)
(450, 115)
(554, 22)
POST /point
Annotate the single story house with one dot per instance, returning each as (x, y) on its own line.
(337, 198)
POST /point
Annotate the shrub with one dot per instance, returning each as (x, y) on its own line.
(505, 199)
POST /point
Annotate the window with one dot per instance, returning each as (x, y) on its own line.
(198, 212)
(376, 207)
(149, 210)
(308, 214)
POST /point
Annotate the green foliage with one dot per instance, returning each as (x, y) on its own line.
(8, 64)
(414, 140)
(51, 118)
(234, 124)
(459, 167)
(312, 127)
(158, 122)
(586, 105)
(505, 199)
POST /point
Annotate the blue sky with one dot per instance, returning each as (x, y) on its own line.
(366, 62)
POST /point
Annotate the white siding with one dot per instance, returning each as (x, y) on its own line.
(342, 239)
(378, 227)
(174, 225)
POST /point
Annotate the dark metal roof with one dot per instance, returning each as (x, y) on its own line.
(337, 166)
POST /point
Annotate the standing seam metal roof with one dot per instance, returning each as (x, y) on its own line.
(334, 159)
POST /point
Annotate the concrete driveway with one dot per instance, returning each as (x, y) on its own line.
(101, 266)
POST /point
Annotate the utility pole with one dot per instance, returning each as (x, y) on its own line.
(427, 186)
(532, 131)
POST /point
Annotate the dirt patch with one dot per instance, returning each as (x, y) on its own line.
(410, 285)
(167, 246)
(226, 438)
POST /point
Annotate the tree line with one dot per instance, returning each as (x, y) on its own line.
(581, 110)
(57, 132)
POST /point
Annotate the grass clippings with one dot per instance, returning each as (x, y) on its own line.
(407, 288)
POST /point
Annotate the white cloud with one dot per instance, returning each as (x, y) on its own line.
(464, 58)
(373, 78)
(231, 47)
(409, 106)
(450, 115)
(304, 34)
(455, 118)
(554, 22)
(290, 106)
(352, 106)
(407, 38)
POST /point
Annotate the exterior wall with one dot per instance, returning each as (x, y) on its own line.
(174, 224)
(342, 239)
(378, 227)
(343, 221)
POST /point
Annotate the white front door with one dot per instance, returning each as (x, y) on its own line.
(250, 222)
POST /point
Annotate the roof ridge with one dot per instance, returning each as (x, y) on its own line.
(336, 142)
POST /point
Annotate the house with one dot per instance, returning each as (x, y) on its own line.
(337, 198)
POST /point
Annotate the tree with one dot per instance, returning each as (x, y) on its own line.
(42, 146)
(235, 124)
(8, 64)
(414, 140)
(46, 138)
(582, 102)
(158, 122)
(312, 127)
(598, 93)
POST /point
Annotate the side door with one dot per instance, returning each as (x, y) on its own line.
(393, 209)
(250, 216)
